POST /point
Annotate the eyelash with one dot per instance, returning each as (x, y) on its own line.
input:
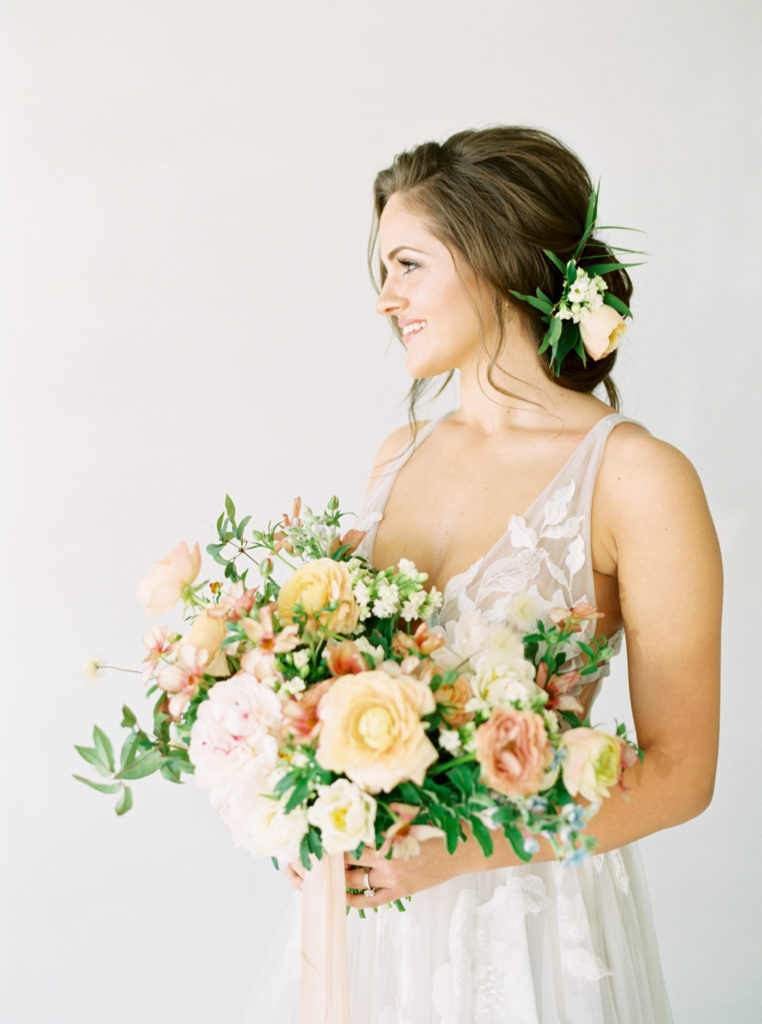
(410, 264)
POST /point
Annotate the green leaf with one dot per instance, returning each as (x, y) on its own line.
(102, 787)
(482, 836)
(300, 793)
(452, 832)
(517, 842)
(93, 757)
(542, 304)
(555, 260)
(241, 527)
(129, 750)
(304, 852)
(220, 521)
(229, 507)
(571, 271)
(145, 765)
(607, 268)
(124, 803)
(104, 747)
(617, 304)
(128, 718)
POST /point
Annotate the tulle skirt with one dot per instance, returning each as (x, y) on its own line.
(536, 944)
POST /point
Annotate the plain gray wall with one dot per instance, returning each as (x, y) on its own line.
(186, 311)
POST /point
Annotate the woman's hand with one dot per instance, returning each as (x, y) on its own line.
(395, 878)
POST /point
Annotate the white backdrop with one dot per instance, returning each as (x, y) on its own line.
(186, 311)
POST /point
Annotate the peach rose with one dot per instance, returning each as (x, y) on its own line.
(513, 749)
(314, 585)
(591, 765)
(372, 730)
(166, 580)
(207, 634)
(601, 331)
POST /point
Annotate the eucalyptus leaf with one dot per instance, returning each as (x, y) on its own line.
(145, 765)
(229, 507)
(129, 750)
(102, 787)
(104, 747)
(124, 803)
(128, 718)
(93, 757)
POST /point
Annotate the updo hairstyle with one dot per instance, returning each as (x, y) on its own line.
(498, 197)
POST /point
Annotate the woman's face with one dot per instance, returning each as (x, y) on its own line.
(437, 303)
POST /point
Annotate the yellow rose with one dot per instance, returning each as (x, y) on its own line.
(601, 331)
(313, 586)
(207, 634)
(591, 765)
(372, 730)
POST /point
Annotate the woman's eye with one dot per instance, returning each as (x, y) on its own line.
(408, 265)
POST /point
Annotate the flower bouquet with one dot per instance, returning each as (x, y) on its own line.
(323, 711)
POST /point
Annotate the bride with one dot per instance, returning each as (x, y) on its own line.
(531, 489)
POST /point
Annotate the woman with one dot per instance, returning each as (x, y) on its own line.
(532, 485)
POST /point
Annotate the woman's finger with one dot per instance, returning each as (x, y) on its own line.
(294, 879)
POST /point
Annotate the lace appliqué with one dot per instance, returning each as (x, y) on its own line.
(547, 547)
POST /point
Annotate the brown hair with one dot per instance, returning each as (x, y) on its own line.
(498, 197)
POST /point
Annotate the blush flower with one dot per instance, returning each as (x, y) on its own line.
(601, 331)
(513, 750)
(301, 715)
(403, 838)
(372, 730)
(168, 580)
(557, 688)
(183, 679)
(592, 762)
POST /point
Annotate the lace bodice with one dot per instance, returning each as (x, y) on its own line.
(544, 553)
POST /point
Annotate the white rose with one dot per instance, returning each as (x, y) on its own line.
(345, 816)
(260, 825)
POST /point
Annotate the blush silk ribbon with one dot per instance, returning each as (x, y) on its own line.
(325, 975)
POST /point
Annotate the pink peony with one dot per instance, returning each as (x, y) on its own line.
(236, 731)
(166, 580)
(513, 749)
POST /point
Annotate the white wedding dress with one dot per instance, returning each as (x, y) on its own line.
(536, 944)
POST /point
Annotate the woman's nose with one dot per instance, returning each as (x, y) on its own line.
(388, 302)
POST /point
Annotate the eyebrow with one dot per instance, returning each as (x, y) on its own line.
(393, 253)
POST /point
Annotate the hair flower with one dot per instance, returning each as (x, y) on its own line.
(587, 318)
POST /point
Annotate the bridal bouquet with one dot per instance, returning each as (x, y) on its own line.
(323, 712)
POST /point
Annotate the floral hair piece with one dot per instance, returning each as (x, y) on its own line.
(587, 318)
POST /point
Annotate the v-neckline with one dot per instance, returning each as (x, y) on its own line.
(514, 515)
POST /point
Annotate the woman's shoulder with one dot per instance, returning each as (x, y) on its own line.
(392, 446)
(646, 485)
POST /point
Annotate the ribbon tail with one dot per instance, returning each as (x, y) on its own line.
(325, 975)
